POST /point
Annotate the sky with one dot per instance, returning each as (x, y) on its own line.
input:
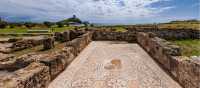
(100, 11)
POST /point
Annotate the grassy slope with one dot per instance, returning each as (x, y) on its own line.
(189, 47)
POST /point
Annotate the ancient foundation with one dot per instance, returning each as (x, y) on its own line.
(38, 70)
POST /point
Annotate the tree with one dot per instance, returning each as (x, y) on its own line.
(48, 24)
(12, 25)
(29, 24)
(92, 25)
(72, 19)
(3, 24)
(60, 24)
(86, 23)
(74, 16)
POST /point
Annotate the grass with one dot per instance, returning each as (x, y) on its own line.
(180, 26)
(25, 30)
(120, 29)
(13, 30)
(189, 47)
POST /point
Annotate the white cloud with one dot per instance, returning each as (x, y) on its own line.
(85, 9)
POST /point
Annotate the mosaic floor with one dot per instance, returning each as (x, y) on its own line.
(106, 64)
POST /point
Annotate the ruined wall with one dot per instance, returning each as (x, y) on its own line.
(37, 70)
(35, 75)
(25, 43)
(184, 69)
(67, 35)
(130, 34)
(171, 33)
(114, 36)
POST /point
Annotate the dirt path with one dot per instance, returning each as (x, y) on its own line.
(105, 64)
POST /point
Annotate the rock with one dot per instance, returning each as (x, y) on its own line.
(58, 36)
(25, 43)
(14, 39)
(48, 43)
(36, 75)
(66, 36)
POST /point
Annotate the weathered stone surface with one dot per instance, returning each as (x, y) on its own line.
(14, 39)
(80, 43)
(56, 63)
(25, 43)
(114, 36)
(58, 36)
(187, 72)
(158, 48)
(15, 63)
(5, 57)
(168, 33)
(184, 69)
(48, 43)
(5, 47)
(66, 36)
(36, 75)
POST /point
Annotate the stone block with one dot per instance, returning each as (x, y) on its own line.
(48, 43)
(36, 75)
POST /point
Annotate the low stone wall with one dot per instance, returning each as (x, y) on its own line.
(36, 75)
(25, 43)
(185, 70)
(67, 35)
(130, 35)
(48, 43)
(114, 36)
(171, 33)
(49, 65)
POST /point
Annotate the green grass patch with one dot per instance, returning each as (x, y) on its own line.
(120, 29)
(189, 47)
(25, 30)
(15, 30)
(183, 25)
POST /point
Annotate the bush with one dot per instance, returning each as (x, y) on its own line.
(60, 24)
(48, 24)
(3, 24)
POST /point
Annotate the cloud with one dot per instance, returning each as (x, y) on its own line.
(92, 10)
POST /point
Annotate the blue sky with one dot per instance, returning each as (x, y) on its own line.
(101, 11)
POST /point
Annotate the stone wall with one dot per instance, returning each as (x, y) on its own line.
(67, 35)
(184, 69)
(25, 43)
(48, 43)
(170, 33)
(36, 75)
(130, 35)
(37, 70)
(114, 36)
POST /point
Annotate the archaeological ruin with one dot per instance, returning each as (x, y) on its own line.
(94, 58)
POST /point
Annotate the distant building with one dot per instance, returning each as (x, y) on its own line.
(75, 24)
